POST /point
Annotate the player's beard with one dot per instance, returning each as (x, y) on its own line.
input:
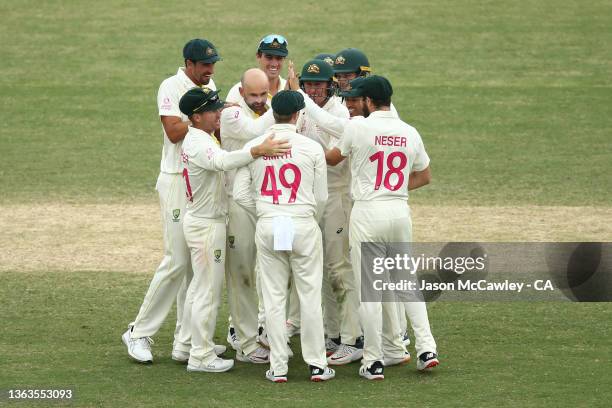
(259, 108)
(366, 111)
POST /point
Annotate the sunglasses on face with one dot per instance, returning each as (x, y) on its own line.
(269, 39)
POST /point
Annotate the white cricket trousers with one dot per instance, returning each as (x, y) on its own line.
(241, 277)
(206, 240)
(340, 298)
(384, 221)
(174, 272)
(305, 264)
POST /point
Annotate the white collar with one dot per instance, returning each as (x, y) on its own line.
(199, 132)
(185, 79)
(284, 126)
(382, 114)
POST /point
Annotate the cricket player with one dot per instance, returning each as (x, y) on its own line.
(293, 314)
(387, 159)
(290, 193)
(205, 219)
(174, 271)
(340, 302)
(240, 124)
(351, 63)
(416, 311)
(271, 53)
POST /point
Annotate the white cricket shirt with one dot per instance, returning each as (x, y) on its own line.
(383, 151)
(293, 185)
(204, 162)
(337, 176)
(170, 92)
(239, 124)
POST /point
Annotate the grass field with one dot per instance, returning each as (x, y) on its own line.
(512, 100)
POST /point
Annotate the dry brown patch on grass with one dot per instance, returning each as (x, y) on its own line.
(507, 224)
(115, 237)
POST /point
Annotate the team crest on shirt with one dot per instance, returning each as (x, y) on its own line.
(231, 239)
(340, 60)
(275, 44)
(217, 255)
(210, 51)
(313, 69)
(176, 213)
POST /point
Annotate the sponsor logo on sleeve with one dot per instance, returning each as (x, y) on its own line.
(166, 104)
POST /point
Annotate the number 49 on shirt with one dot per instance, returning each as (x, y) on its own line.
(269, 186)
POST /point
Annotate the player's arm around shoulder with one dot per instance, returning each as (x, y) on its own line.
(343, 147)
(236, 124)
(168, 106)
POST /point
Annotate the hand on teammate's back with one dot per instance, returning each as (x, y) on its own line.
(271, 147)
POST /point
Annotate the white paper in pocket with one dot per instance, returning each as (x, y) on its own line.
(283, 233)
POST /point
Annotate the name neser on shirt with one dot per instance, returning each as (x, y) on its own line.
(398, 141)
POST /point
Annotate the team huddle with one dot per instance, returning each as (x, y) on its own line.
(257, 190)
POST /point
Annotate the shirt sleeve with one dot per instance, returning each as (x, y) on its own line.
(326, 121)
(168, 100)
(421, 159)
(211, 157)
(242, 189)
(346, 141)
(233, 95)
(235, 124)
(320, 182)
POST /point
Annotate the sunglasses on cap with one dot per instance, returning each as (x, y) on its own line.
(212, 101)
(269, 39)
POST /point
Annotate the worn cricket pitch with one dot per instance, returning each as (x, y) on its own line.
(127, 238)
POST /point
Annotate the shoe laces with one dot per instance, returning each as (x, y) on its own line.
(260, 352)
(329, 344)
(146, 342)
(344, 350)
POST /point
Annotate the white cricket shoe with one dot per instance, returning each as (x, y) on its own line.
(183, 356)
(345, 355)
(321, 374)
(376, 371)
(406, 339)
(292, 330)
(276, 378)
(258, 356)
(330, 346)
(232, 338)
(139, 349)
(262, 338)
(391, 361)
(218, 365)
(427, 361)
